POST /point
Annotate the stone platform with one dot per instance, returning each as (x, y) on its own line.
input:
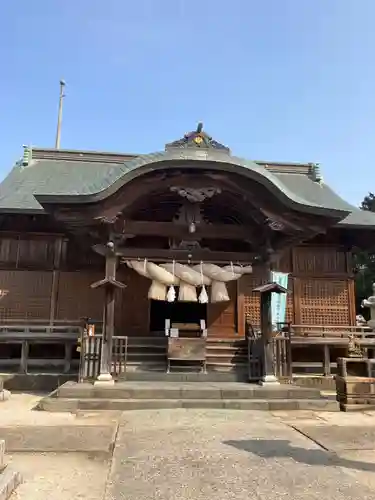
(222, 454)
(123, 396)
(9, 478)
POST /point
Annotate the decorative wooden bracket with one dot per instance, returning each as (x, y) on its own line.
(110, 274)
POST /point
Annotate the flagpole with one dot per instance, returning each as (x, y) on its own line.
(59, 118)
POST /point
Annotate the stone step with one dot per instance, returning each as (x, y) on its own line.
(356, 407)
(144, 390)
(154, 364)
(139, 374)
(86, 436)
(72, 405)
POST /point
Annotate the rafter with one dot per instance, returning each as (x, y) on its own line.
(161, 255)
(202, 231)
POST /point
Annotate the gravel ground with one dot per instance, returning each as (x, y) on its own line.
(59, 476)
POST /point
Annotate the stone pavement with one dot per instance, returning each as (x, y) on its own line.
(51, 476)
(221, 454)
(197, 454)
(25, 430)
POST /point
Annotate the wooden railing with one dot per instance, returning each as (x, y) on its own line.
(90, 356)
(329, 330)
(39, 346)
(282, 352)
(40, 327)
(325, 343)
(254, 358)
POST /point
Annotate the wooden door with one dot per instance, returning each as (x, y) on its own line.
(222, 316)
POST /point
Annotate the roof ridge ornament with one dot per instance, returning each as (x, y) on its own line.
(198, 139)
(316, 173)
(26, 157)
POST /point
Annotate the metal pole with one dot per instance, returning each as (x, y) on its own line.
(59, 118)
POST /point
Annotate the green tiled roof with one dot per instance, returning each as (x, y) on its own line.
(80, 180)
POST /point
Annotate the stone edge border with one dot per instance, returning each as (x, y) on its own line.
(9, 480)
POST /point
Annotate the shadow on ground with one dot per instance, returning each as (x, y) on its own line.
(265, 448)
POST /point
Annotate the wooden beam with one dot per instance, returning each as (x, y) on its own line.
(163, 255)
(172, 230)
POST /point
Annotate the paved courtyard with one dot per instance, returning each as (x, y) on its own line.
(199, 454)
(189, 454)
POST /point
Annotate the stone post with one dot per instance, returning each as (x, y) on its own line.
(4, 394)
(370, 303)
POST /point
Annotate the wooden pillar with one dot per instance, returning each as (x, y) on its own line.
(266, 329)
(110, 284)
(55, 278)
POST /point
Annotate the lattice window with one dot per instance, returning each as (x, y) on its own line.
(324, 302)
(252, 300)
(318, 260)
(25, 294)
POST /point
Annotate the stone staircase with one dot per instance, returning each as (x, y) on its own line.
(151, 394)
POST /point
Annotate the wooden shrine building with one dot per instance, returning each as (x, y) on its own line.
(78, 230)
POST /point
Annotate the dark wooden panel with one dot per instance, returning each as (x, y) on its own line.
(222, 316)
(80, 256)
(35, 252)
(133, 304)
(27, 251)
(319, 261)
(76, 299)
(8, 251)
(25, 294)
(284, 264)
(351, 292)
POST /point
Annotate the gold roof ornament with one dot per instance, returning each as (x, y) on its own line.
(198, 139)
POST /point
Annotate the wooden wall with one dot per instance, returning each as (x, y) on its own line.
(320, 283)
(47, 277)
(41, 277)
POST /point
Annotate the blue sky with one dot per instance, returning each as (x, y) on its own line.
(287, 80)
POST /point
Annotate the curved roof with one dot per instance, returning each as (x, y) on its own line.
(191, 158)
(76, 176)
